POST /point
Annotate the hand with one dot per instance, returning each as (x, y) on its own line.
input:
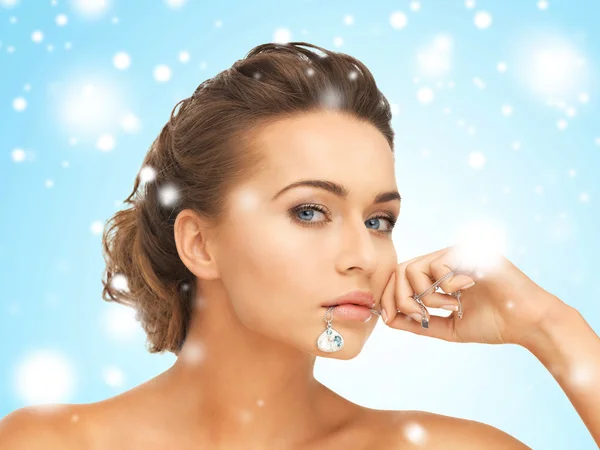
(503, 307)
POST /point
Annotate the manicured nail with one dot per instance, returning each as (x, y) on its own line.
(368, 318)
(384, 315)
(416, 316)
(468, 285)
(450, 307)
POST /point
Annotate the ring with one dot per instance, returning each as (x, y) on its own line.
(417, 298)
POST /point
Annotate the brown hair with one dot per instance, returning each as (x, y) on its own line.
(201, 152)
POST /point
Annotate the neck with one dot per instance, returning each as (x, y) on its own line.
(235, 385)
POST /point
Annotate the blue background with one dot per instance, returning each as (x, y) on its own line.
(459, 160)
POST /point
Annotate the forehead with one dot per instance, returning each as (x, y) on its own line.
(323, 144)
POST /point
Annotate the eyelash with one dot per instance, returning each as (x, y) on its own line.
(307, 206)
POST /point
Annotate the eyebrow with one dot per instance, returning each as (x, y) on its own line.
(338, 190)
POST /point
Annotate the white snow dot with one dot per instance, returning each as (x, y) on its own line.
(571, 112)
(476, 160)
(415, 6)
(61, 20)
(398, 20)
(18, 155)
(507, 110)
(162, 73)
(425, 95)
(348, 19)
(119, 282)
(561, 124)
(44, 376)
(49, 183)
(501, 67)
(37, 36)
(584, 197)
(483, 20)
(479, 83)
(175, 3)
(121, 60)
(415, 433)
(105, 142)
(90, 8)
(572, 172)
(597, 141)
(193, 353)
(120, 322)
(516, 145)
(584, 97)
(282, 36)
(542, 5)
(338, 41)
(9, 3)
(130, 123)
(97, 227)
(19, 104)
(218, 23)
(168, 195)
(539, 190)
(470, 4)
(113, 376)
(147, 174)
(184, 57)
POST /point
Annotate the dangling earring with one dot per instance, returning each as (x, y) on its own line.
(330, 340)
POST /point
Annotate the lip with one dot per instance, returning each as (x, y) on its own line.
(357, 297)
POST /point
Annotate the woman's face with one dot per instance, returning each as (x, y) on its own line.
(279, 261)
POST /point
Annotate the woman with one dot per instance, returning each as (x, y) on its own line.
(228, 267)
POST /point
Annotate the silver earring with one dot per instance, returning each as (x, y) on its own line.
(330, 340)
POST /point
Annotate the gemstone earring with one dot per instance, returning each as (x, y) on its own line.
(330, 340)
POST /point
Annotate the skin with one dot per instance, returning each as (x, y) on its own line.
(244, 378)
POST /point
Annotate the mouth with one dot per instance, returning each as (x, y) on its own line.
(352, 312)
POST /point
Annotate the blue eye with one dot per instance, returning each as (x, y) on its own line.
(315, 207)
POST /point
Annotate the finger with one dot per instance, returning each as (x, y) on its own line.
(387, 299)
(439, 327)
(404, 292)
(448, 262)
(420, 279)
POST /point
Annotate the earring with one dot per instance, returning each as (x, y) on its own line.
(330, 340)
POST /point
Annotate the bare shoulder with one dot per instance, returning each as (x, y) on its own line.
(39, 427)
(437, 431)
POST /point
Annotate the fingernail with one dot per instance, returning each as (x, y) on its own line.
(468, 285)
(450, 307)
(368, 318)
(416, 316)
(384, 315)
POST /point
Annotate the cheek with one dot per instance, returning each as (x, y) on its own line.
(265, 271)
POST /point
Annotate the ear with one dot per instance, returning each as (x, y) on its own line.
(192, 238)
